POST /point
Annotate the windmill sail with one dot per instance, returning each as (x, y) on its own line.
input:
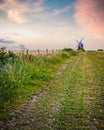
(80, 44)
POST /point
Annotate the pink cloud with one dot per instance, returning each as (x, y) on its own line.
(90, 15)
(16, 11)
(17, 16)
(38, 3)
(35, 6)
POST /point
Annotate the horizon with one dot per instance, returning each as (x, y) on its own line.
(47, 24)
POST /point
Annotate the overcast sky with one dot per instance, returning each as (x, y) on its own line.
(51, 24)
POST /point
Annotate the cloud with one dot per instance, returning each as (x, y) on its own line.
(4, 41)
(16, 11)
(38, 6)
(9, 38)
(60, 11)
(90, 15)
(15, 34)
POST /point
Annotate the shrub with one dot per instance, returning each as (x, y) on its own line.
(6, 58)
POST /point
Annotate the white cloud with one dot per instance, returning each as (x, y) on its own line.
(62, 10)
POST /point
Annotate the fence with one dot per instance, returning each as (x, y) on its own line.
(37, 52)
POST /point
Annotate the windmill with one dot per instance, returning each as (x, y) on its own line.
(80, 44)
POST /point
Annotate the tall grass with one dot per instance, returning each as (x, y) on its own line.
(22, 77)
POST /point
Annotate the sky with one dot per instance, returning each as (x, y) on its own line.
(51, 24)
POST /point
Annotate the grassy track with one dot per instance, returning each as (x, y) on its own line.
(72, 101)
(83, 107)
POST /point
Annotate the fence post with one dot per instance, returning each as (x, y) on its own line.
(46, 51)
(52, 51)
(27, 52)
(38, 51)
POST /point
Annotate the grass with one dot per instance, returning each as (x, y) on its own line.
(42, 113)
(97, 93)
(83, 107)
(22, 77)
(73, 112)
(73, 100)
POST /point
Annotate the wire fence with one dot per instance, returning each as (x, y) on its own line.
(36, 52)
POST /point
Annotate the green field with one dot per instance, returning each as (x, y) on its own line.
(59, 92)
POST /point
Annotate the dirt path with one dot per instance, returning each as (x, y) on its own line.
(69, 102)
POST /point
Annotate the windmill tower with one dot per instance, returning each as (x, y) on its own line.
(80, 44)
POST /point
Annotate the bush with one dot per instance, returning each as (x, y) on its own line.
(6, 58)
(8, 86)
(67, 49)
